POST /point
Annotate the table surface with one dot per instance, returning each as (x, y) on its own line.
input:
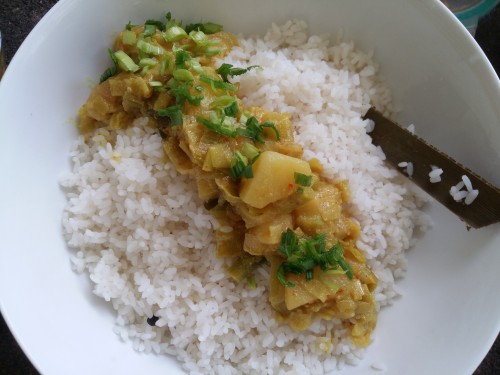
(18, 17)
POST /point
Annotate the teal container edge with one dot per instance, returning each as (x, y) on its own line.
(470, 16)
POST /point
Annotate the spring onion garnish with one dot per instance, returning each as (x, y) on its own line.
(149, 30)
(181, 57)
(218, 125)
(125, 62)
(226, 104)
(157, 24)
(181, 93)
(304, 254)
(155, 84)
(111, 71)
(254, 130)
(149, 62)
(174, 33)
(174, 113)
(129, 26)
(251, 282)
(183, 75)
(206, 45)
(302, 179)
(167, 65)
(149, 48)
(226, 70)
(241, 167)
(196, 66)
(250, 151)
(217, 84)
(129, 38)
(170, 22)
(207, 28)
(199, 37)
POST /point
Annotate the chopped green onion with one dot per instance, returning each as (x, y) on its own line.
(218, 127)
(129, 38)
(174, 33)
(129, 25)
(183, 75)
(302, 179)
(125, 62)
(181, 57)
(227, 104)
(181, 93)
(304, 254)
(173, 112)
(210, 51)
(170, 22)
(155, 84)
(207, 28)
(149, 30)
(150, 48)
(241, 167)
(110, 72)
(254, 130)
(196, 66)
(198, 37)
(158, 24)
(250, 151)
(251, 282)
(218, 84)
(226, 70)
(150, 62)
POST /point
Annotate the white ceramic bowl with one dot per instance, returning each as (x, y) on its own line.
(442, 82)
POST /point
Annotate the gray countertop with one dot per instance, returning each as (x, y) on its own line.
(17, 19)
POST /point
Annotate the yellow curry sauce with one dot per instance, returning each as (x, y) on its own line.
(272, 206)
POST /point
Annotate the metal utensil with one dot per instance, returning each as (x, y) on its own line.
(400, 145)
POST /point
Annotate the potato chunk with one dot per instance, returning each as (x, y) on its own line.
(274, 179)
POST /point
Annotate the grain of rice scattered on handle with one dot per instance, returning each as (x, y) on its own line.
(468, 195)
(141, 232)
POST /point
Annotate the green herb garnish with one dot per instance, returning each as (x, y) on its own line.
(157, 25)
(254, 130)
(251, 282)
(218, 125)
(183, 75)
(111, 71)
(174, 33)
(226, 104)
(241, 167)
(226, 70)
(302, 179)
(217, 84)
(181, 57)
(304, 254)
(129, 26)
(125, 62)
(149, 48)
(181, 93)
(207, 27)
(149, 30)
(174, 113)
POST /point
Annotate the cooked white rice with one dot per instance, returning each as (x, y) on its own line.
(468, 195)
(139, 230)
